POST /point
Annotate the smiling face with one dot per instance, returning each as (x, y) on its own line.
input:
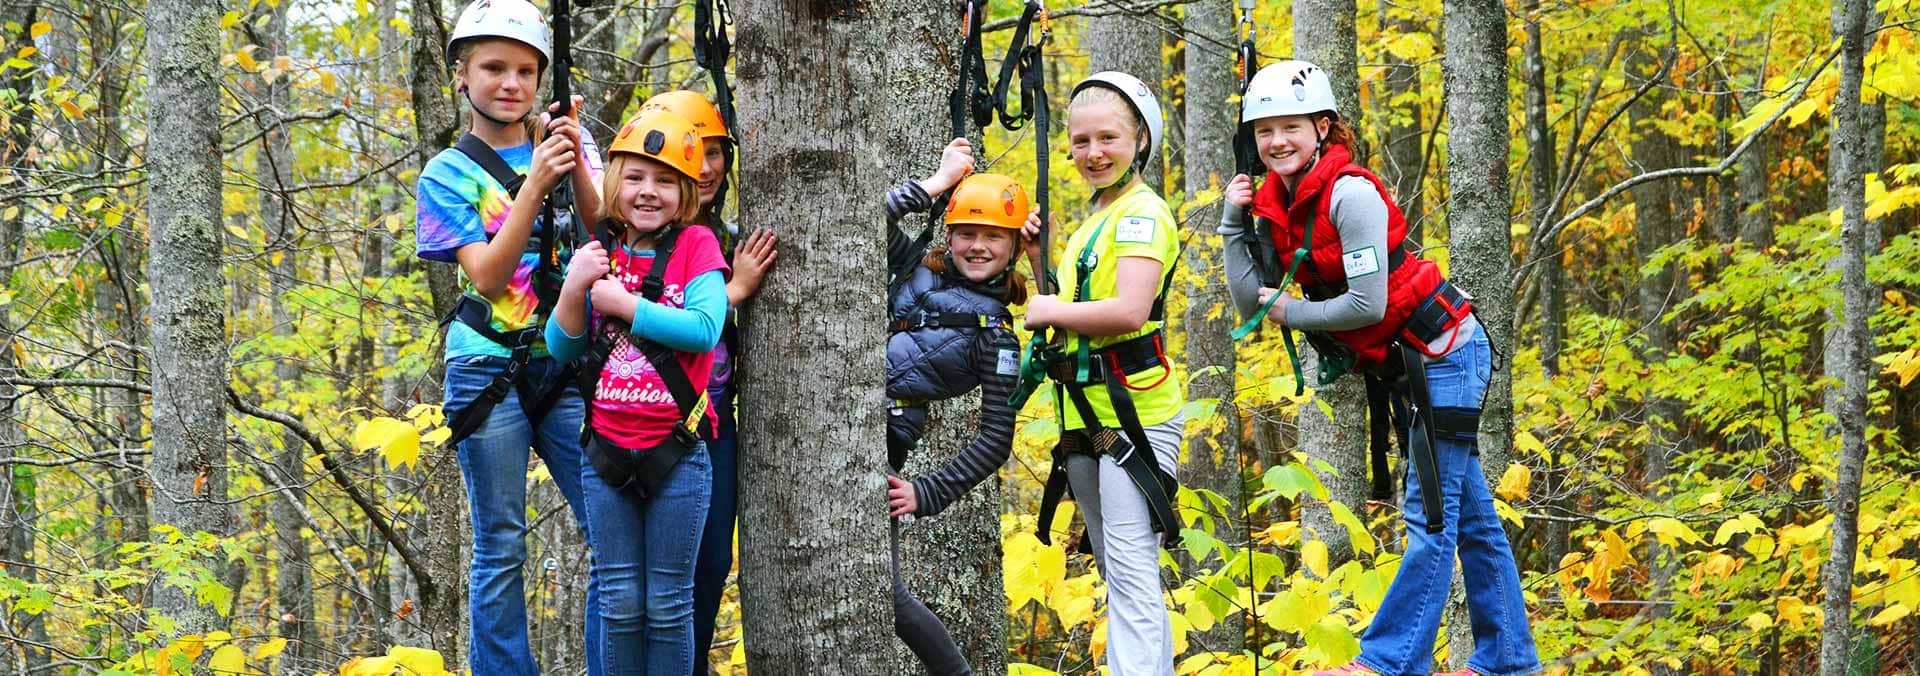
(1103, 138)
(713, 168)
(502, 77)
(648, 195)
(981, 252)
(1287, 143)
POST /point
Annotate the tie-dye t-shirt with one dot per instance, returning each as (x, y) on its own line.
(631, 405)
(459, 204)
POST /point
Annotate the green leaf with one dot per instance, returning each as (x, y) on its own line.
(1356, 530)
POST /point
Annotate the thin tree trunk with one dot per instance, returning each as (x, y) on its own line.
(1403, 158)
(189, 375)
(1656, 226)
(1480, 234)
(18, 519)
(1848, 340)
(293, 582)
(1130, 43)
(813, 541)
(1213, 454)
(1323, 33)
(1541, 180)
(443, 590)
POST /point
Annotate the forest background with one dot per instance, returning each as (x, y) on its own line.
(1690, 225)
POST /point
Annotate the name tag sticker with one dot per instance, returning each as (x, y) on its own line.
(1009, 363)
(1361, 263)
(1134, 229)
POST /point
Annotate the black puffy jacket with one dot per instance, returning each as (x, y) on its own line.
(928, 360)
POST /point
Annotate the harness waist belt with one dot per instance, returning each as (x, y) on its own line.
(1133, 355)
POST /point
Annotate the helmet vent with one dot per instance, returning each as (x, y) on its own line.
(655, 142)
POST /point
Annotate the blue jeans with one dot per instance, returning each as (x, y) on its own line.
(643, 555)
(493, 463)
(1400, 639)
(716, 542)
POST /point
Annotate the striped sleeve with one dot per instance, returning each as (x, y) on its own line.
(994, 442)
(903, 199)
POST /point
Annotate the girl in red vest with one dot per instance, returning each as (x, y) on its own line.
(1376, 307)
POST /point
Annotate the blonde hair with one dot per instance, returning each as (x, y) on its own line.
(1103, 96)
(610, 189)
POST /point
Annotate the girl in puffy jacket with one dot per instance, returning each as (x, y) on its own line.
(950, 333)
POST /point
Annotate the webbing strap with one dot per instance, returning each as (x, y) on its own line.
(711, 49)
(491, 162)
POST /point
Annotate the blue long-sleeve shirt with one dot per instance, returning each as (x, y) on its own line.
(694, 328)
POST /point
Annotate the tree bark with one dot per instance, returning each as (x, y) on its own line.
(189, 373)
(1480, 234)
(1324, 34)
(1849, 343)
(813, 540)
(1130, 43)
(1214, 455)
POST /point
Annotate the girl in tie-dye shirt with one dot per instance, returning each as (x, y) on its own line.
(499, 50)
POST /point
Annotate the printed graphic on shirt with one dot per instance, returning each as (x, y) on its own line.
(1009, 363)
(1361, 262)
(1134, 229)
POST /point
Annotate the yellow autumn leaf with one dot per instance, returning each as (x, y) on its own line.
(1756, 622)
(269, 649)
(38, 29)
(418, 661)
(72, 111)
(1893, 613)
(1515, 482)
(1313, 554)
(1671, 531)
(369, 666)
(229, 659)
(192, 645)
(398, 440)
(244, 57)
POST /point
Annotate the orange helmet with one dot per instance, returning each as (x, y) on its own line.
(988, 199)
(663, 136)
(693, 106)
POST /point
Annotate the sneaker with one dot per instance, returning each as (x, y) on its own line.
(1354, 668)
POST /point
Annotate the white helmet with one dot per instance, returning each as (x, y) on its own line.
(1288, 88)
(516, 20)
(1136, 93)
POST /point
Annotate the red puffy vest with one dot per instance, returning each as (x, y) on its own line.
(1408, 285)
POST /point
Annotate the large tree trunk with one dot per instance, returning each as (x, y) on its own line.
(1130, 43)
(1323, 33)
(813, 538)
(293, 583)
(1848, 341)
(443, 590)
(1213, 454)
(1480, 235)
(189, 375)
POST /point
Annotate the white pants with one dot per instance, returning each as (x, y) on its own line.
(1127, 552)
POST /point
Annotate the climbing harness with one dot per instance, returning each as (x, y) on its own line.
(557, 229)
(638, 472)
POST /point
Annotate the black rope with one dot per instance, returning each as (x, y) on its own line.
(711, 49)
